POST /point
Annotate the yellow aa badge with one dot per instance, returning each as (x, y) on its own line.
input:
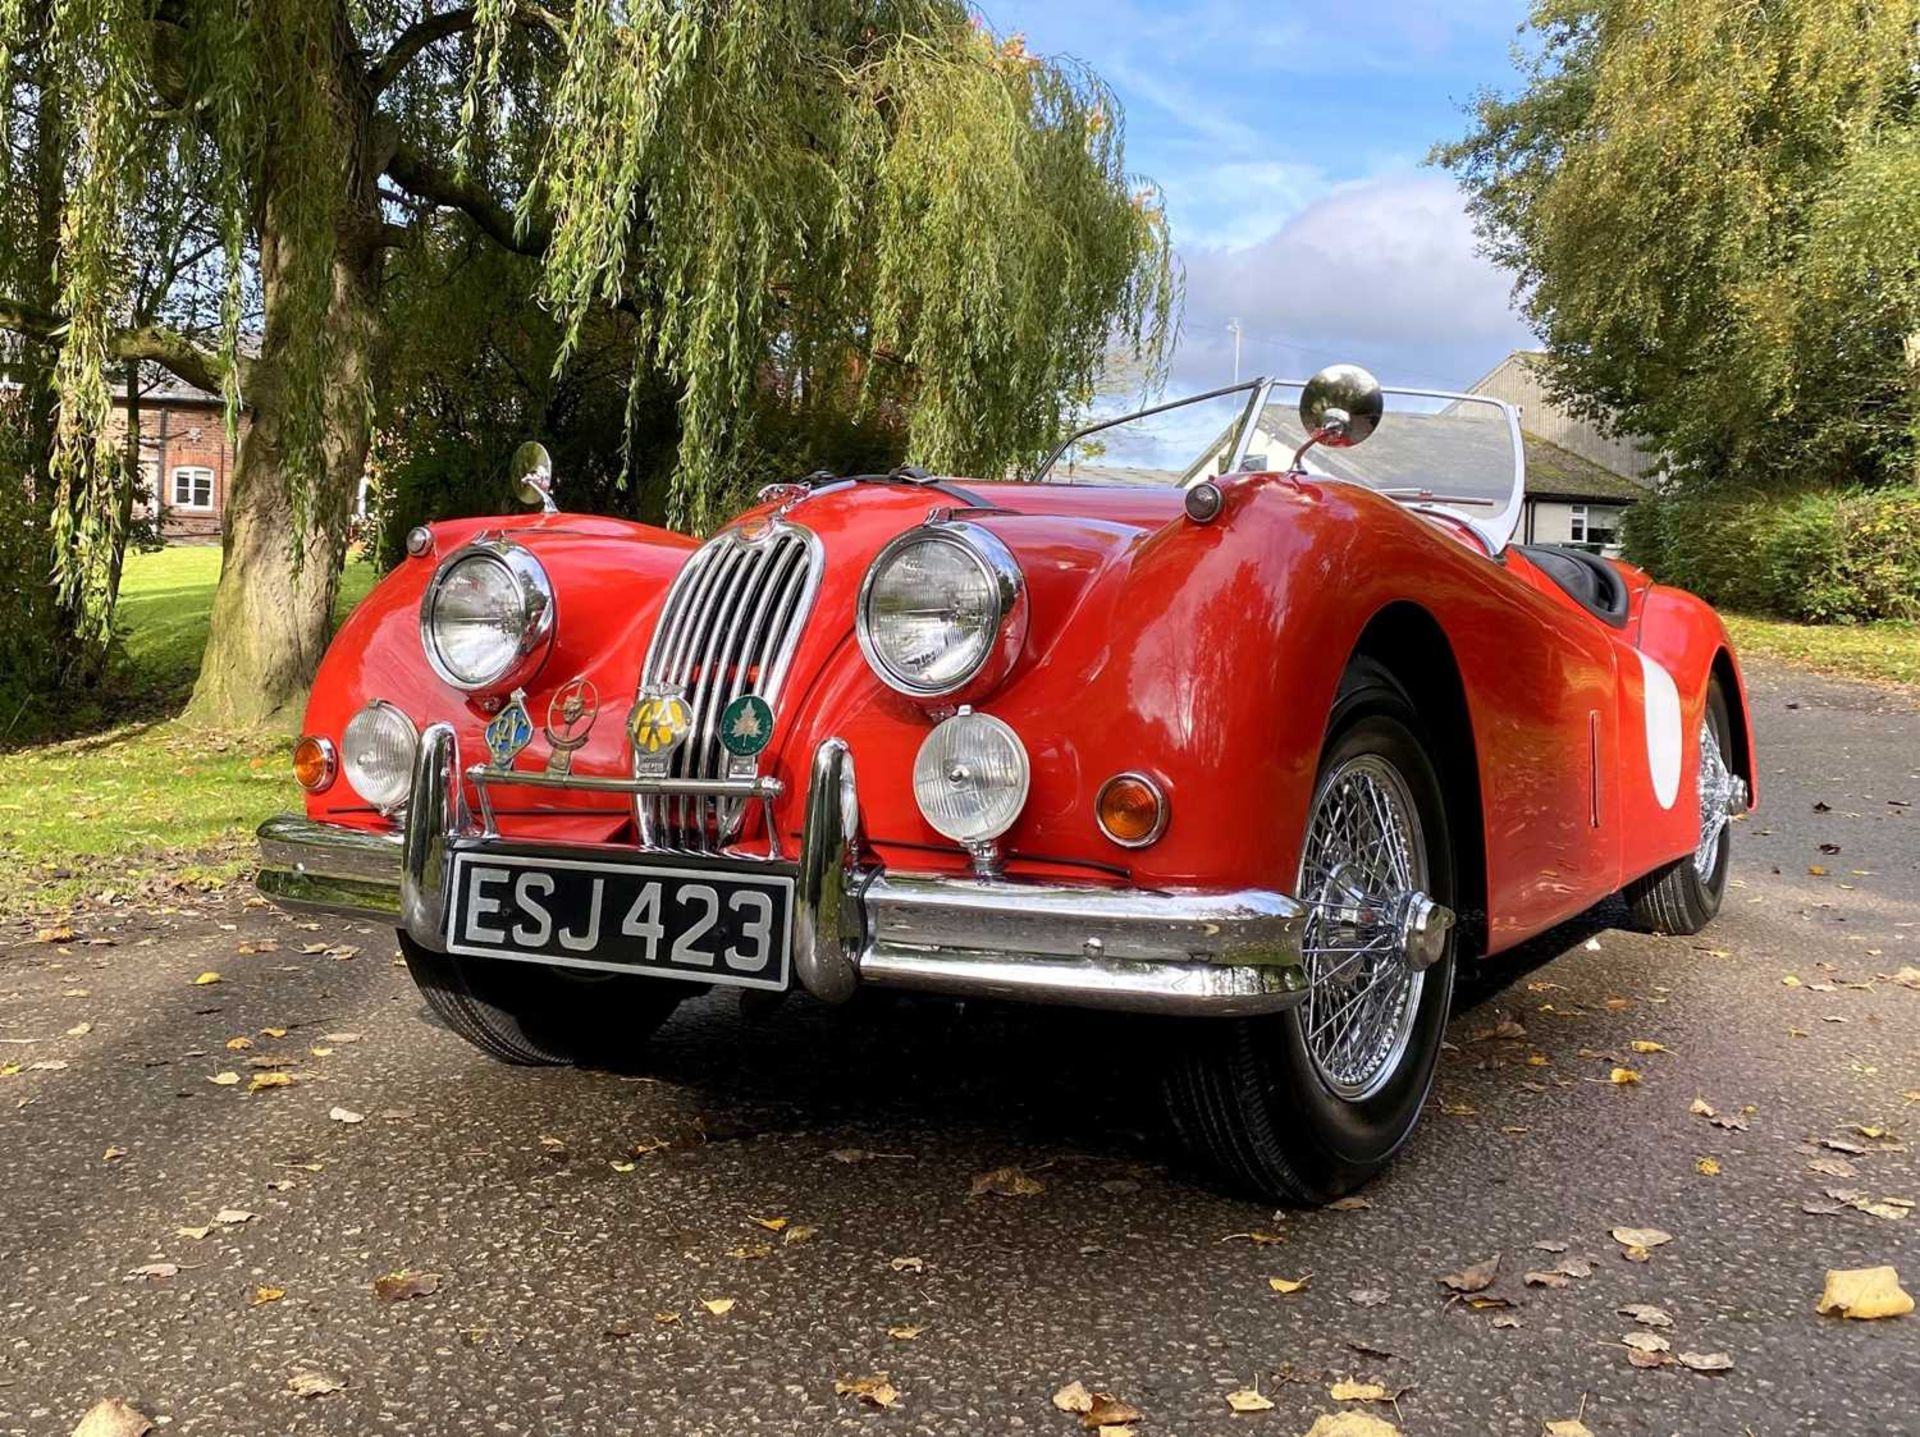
(658, 724)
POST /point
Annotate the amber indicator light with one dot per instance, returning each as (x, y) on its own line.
(313, 763)
(1132, 810)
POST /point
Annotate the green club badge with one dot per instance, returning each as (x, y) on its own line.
(746, 726)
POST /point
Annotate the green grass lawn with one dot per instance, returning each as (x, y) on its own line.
(1887, 652)
(150, 803)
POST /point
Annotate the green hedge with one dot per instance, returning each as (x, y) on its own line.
(1841, 557)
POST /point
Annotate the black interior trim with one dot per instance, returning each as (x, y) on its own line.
(1588, 579)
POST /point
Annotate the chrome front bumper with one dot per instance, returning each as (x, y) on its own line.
(1221, 954)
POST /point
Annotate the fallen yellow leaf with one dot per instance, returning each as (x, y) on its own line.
(621, 1167)
(1642, 1237)
(270, 1080)
(718, 1306)
(1647, 1045)
(771, 1224)
(273, 1032)
(1865, 1293)
(267, 1294)
(1289, 1284)
(1109, 1411)
(1347, 1390)
(1074, 1397)
(875, 1390)
(113, 1418)
(1572, 1427)
(1248, 1400)
(224, 1080)
(206, 978)
(904, 1334)
(1351, 1423)
(1707, 1167)
(1007, 1182)
(1621, 1077)
(239, 1045)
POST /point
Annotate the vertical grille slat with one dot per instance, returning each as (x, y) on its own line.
(730, 625)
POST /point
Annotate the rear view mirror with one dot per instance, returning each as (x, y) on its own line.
(532, 471)
(1340, 407)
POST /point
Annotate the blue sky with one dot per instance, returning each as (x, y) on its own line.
(1289, 139)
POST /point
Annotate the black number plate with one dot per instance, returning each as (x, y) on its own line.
(705, 925)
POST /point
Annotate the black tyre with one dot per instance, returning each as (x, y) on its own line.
(1684, 896)
(1304, 1106)
(534, 1015)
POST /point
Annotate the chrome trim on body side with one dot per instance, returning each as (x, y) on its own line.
(1222, 954)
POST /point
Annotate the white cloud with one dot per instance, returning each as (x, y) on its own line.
(1382, 272)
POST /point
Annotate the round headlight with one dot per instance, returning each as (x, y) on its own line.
(487, 617)
(943, 608)
(970, 778)
(376, 754)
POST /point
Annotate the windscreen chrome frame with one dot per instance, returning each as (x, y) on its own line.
(1254, 387)
(1496, 532)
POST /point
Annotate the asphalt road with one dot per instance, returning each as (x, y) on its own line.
(559, 1264)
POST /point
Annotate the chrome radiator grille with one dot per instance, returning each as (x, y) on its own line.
(729, 627)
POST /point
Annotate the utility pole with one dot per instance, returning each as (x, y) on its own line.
(1233, 328)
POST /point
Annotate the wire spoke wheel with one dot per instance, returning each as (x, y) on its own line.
(1716, 799)
(1363, 863)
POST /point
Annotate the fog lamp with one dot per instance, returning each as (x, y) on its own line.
(313, 763)
(377, 755)
(970, 778)
(1131, 810)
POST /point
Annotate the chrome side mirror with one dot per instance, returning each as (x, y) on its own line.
(1340, 407)
(532, 471)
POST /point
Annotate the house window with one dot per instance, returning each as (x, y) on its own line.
(192, 487)
(1595, 524)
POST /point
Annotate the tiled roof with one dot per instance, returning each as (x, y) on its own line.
(1556, 473)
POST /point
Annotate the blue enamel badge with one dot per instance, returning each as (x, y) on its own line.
(510, 731)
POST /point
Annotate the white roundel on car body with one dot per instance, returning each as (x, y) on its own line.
(1664, 733)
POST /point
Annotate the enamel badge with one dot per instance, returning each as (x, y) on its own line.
(570, 716)
(746, 726)
(510, 731)
(658, 724)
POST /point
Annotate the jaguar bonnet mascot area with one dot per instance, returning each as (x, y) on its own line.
(1267, 741)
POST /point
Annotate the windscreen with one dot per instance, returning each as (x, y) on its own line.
(1449, 452)
(1172, 444)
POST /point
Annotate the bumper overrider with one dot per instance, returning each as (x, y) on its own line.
(1222, 954)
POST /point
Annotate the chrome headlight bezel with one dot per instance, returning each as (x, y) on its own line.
(536, 605)
(1007, 583)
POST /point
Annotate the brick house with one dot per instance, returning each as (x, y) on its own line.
(186, 461)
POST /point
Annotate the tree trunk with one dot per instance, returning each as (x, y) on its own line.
(273, 608)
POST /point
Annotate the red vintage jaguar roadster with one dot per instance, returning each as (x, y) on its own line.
(1266, 741)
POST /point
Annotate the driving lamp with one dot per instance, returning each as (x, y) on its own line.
(943, 608)
(971, 777)
(487, 617)
(377, 755)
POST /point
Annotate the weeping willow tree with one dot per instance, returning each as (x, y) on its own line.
(1712, 209)
(876, 201)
